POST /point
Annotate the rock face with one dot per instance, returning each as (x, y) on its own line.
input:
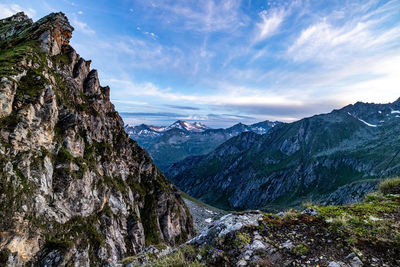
(168, 145)
(74, 188)
(331, 158)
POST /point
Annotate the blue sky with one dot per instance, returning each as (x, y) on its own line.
(221, 62)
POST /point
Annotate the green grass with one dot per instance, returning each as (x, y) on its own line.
(300, 249)
(241, 240)
(390, 186)
(9, 57)
(369, 220)
(185, 257)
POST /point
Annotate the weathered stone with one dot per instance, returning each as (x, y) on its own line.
(80, 192)
(225, 225)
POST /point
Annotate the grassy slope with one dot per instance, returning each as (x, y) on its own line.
(369, 229)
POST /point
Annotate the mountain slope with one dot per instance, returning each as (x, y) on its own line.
(362, 234)
(171, 144)
(300, 161)
(74, 188)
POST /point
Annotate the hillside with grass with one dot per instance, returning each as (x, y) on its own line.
(362, 234)
(333, 158)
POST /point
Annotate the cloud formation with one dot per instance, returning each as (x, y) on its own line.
(81, 26)
(7, 10)
(234, 60)
(202, 16)
(271, 21)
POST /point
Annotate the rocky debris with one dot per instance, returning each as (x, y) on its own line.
(287, 244)
(203, 215)
(298, 238)
(354, 260)
(74, 189)
(225, 225)
(309, 211)
(336, 264)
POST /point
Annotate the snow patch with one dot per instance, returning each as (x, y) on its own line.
(191, 127)
(363, 121)
(366, 123)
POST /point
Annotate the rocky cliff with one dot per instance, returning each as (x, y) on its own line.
(331, 158)
(74, 188)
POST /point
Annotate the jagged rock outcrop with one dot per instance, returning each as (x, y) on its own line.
(74, 188)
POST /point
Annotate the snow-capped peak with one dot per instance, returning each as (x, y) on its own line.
(159, 129)
(187, 126)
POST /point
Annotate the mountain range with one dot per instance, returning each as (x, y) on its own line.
(332, 158)
(170, 144)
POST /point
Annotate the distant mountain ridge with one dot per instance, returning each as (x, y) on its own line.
(334, 158)
(169, 144)
(144, 129)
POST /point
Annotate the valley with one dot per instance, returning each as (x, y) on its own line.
(313, 159)
(170, 144)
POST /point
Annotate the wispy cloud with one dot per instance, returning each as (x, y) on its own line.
(182, 107)
(7, 10)
(82, 26)
(149, 54)
(202, 16)
(150, 114)
(271, 20)
(257, 59)
(129, 102)
(331, 38)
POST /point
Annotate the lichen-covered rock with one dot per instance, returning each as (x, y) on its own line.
(225, 225)
(74, 189)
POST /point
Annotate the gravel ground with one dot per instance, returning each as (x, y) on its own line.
(203, 214)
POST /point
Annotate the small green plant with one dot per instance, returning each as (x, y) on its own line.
(300, 249)
(290, 214)
(242, 239)
(271, 216)
(177, 258)
(390, 186)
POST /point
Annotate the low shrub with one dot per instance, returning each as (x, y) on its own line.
(390, 186)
